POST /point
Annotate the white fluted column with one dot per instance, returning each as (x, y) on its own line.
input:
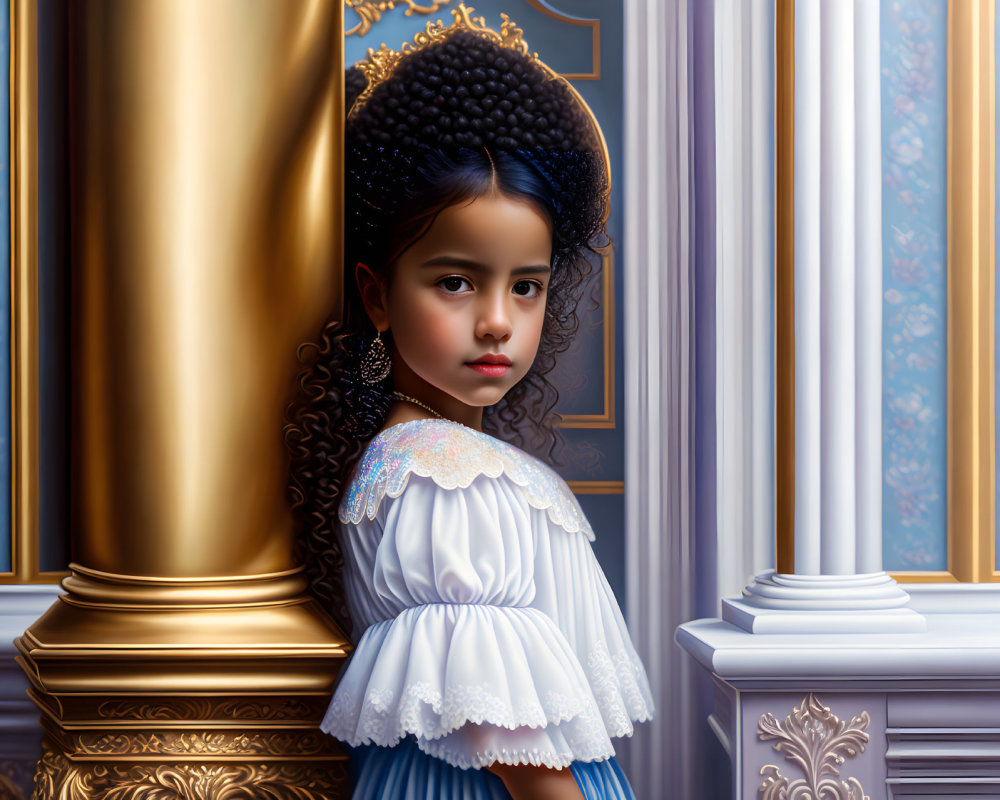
(868, 287)
(744, 284)
(838, 585)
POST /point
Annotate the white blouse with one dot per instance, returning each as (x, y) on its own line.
(489, 630)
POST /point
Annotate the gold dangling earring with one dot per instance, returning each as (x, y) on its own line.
(375, 363)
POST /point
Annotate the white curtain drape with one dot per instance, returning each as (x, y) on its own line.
(658, 365)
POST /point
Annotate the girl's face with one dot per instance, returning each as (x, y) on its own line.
(466, 303)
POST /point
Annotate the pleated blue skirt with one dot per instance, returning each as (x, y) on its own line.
(405, 772)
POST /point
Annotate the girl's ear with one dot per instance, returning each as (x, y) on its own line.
(373, 295)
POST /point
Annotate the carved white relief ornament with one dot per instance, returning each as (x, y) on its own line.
(819, 743)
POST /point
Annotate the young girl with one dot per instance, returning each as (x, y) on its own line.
(491, 658)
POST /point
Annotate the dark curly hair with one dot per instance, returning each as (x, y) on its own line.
(417, 146)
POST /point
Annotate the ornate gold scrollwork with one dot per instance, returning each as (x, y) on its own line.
(175, 710)
(370, 11)
(215, 743)
(378, 66)
(188, 709)
(59, 777)
(815, 739)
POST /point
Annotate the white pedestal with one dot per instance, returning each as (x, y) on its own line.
(927, 701)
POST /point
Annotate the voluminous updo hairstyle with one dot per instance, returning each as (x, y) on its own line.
(455, 121)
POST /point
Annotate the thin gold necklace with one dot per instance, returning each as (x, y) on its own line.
(407, 399)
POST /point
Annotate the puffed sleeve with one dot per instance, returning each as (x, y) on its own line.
(466, 661)
(571, 589)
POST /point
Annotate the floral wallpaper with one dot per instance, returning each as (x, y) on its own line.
(914, 263)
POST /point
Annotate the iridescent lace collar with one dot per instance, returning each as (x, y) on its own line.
(453, 456)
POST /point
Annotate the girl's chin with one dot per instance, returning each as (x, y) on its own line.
(482, 398)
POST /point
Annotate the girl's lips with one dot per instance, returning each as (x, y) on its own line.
(489, 370)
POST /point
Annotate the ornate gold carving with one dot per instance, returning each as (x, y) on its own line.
(179, 709)
(812, 737)
(59, 777)
(370, 11)
(196, 708)
(216, 743)
(379, 64)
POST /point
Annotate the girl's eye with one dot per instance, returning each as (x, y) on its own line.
(453, 284)
(527, 288)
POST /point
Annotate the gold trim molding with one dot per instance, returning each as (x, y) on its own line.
(819, 743)
(924, 576)
(24, 291)
(24, 485)
(971, 504)
(597, 487)
(371, 11)
(606, 419)
(784, 274)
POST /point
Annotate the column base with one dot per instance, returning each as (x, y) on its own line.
(804, 604)
(191, 700)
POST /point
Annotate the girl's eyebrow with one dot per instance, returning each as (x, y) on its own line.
(475, 266)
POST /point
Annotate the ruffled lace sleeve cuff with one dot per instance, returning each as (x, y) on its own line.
(572, 590)
(474, 684)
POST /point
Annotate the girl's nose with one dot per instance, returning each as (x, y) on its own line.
(494, 319)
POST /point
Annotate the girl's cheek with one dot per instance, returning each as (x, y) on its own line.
(434, 328)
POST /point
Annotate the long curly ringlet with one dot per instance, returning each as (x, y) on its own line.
(417, 146)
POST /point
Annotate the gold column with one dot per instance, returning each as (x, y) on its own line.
(971, 103)
(205, 149)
